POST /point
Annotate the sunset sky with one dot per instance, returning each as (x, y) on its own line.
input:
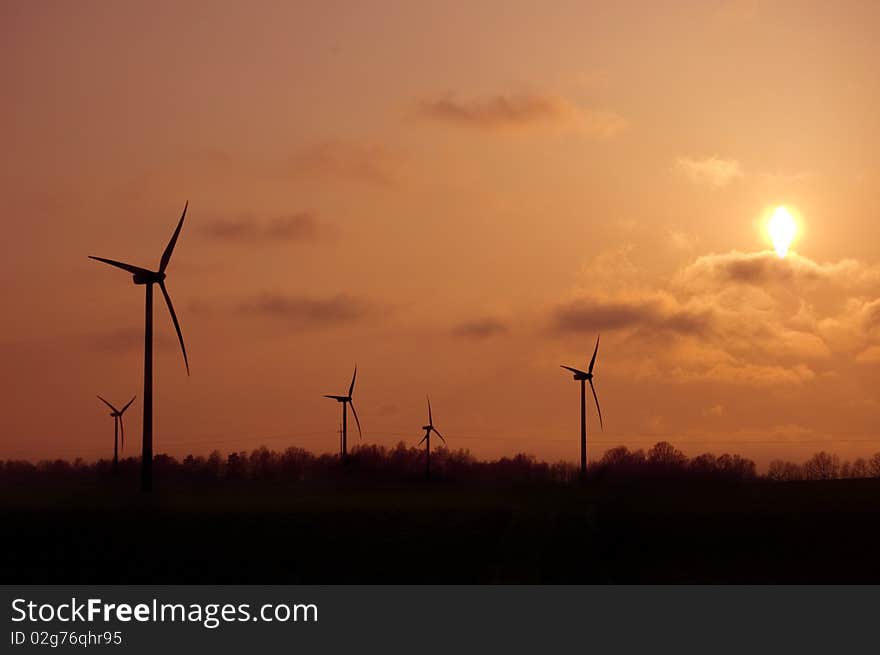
(458, 197)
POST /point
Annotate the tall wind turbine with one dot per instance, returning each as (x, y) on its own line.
(148, 278)
(427, 440)
(584, 377)
(118, 429)
(347, 402)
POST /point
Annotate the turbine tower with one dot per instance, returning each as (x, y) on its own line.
(427, 440)
(148, 278)
(584, 377)
(347, 402)
(118, 430)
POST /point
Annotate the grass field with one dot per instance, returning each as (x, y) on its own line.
(674, 532)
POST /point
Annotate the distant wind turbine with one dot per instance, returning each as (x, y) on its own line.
(148, 278)
(118, 430)
(427, 439)
(346, 402)
(585, 376)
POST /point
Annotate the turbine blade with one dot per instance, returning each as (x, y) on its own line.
(573, 370)
(439, 435)
(134, 270)
(176, 324)
(121, 433)
(356, 419)
(430, 418)
(336, 397)
(109, 405)
(595, 350)
(599, 409)
(422, 441)
(166, 256)
(127, 405)
(351, 388)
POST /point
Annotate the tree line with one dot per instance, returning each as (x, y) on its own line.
(295, 464)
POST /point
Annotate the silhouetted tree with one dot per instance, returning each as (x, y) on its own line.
(822, 466)
(783, 471)
(859, 468)
(874, 465)
(666, 459)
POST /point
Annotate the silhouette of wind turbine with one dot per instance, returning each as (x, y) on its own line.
(585, 376)
(427, 439)
(148, 278)
(347, 402)
(118, 429)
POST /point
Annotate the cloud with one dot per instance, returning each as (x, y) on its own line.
(765, 267)
(483, 328)
(308, 312)
(714, 171)
(655, 311)
(348, 161)
(299, 227)
(714, 411)
(870, 355)
(521, 110)
(782, 179)
(737, 318)
(126, 340)
(682, 240)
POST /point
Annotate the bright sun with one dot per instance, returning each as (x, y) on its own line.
(782, 229)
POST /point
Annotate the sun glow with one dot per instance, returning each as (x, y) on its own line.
(782, 229)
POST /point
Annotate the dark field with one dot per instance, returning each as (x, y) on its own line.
(599, 532)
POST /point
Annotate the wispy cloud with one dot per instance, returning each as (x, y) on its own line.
(713, 171)
(349, 161)
(681, 240)
(870, 355)
(299, 227)
(521, 110)
(482, 328)
(126, 339)
(309, 312)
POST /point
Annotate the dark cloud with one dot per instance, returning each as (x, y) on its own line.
(654, 313)
(299, 227)
(483, 328)
(308, 312)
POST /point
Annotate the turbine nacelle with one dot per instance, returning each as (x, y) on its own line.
(144, 276)
(586, 376)
(346, 402)
(148, 277)
(579, 375)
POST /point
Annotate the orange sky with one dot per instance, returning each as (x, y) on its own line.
(459, 198)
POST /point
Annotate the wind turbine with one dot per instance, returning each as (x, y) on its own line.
(346, 402)
(427, 440)
(118, 429)
(148, 278)
(585, 376)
